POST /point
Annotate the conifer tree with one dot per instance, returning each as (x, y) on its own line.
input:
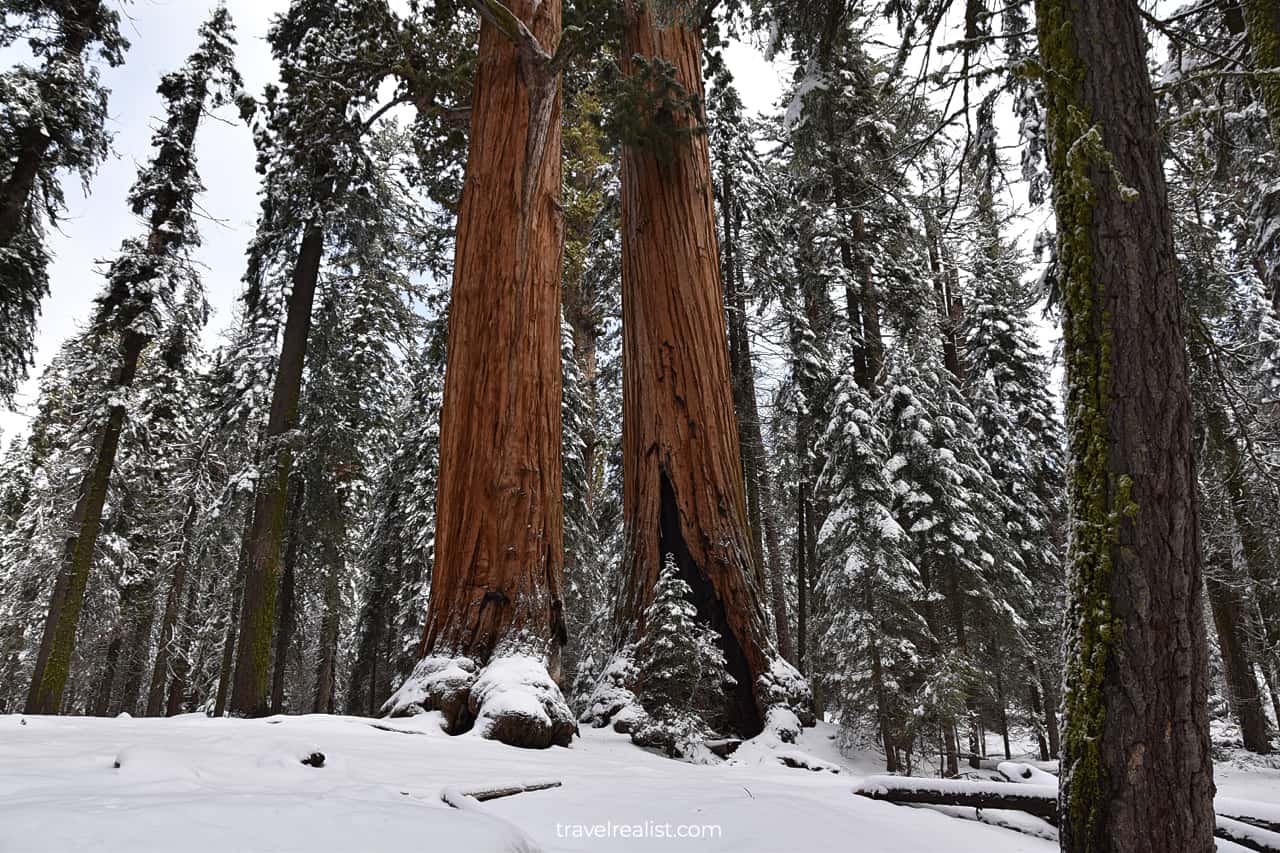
(1134, 558)
(683, 488)
(141, 287)
(870, 631)
(52, 120)
(332, 58)
(681, 670)
(496, 597)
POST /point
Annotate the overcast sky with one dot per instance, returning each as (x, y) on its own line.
(162, 33)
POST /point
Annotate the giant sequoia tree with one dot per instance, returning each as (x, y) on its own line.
(141, 285)
(683, 488)
(1137, 774)
(496, 609)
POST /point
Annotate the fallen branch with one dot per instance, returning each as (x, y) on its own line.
(466, 800)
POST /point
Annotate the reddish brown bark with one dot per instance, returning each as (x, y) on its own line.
(683, 492)
(499, 530)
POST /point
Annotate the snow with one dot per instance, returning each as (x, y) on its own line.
(199, 784)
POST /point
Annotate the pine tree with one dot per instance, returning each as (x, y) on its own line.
(333, 58)
(870, 630)
(365, 324)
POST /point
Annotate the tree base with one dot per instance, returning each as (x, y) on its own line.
(512, 699)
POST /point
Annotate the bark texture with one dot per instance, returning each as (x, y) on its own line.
(251, 687)
(683, 492)
(498, 570)
(1137, 773)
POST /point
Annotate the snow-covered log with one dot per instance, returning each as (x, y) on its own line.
(1023, 773)
(1263, 815)
(1250, 824)
(1247, 835)
(1038, 800)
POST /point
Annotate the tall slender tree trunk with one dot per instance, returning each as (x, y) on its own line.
(801, 560)
(868, 305)
(251, 688)
(1255, 549)
(225, 671)
(327, 666)
(169, 621)
(15, 195)
(1137, 773)
(142, 619)
(1003, 712)
(102, 696)
(683, 493)
(766, 550)
(1262, 26)
(498, 570)
(1037, 710)
(181, 661)
(1242, 686)
(1050, 697)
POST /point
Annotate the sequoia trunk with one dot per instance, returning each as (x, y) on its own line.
(1137, 773)
(497, 580)
(683, 493)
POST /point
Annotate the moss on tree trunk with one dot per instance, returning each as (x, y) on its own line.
(1137, 773)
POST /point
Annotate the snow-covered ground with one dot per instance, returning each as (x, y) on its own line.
(191, 783)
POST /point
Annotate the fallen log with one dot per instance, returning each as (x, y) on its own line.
(1038, 800)
(1245, 823)
(1262, 815)
(1247, 835)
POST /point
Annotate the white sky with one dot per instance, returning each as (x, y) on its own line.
(162, 33)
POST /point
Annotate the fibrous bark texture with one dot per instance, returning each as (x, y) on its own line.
(683, 492)
(1137, 774)
(498, 569)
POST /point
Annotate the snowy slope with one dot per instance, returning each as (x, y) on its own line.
(191, 783)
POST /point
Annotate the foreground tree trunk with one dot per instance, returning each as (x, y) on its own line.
(683, 493)
(496, 587)
(1137, 774)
